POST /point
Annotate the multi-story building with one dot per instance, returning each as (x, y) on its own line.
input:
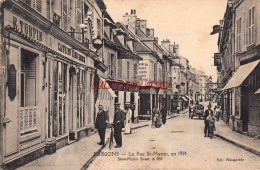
(238, 65)
(50, 54)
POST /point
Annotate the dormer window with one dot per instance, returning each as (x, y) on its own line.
(110, 33)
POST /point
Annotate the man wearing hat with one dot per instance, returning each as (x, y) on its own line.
(101, 124)
(207, 113)
(119, 119)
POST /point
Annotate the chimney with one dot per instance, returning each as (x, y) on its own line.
(166, 44)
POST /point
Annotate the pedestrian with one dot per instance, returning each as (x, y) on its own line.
(128, 120)
(155, 116)
(101, 124)
(119, 119)
(178, 109)
(207, 113)
(164, 114)
(189, 111)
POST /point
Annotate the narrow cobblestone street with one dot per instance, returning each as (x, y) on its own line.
(180, 134)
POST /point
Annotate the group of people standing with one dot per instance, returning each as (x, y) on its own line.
(159, 117)
(121, 119)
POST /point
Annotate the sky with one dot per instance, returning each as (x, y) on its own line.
(185, 22)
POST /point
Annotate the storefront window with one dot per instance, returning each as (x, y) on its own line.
(81, 111)
(59, 100)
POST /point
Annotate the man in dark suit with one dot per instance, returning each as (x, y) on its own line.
(164, 114)
(207, 113)
(101, 124)
(119, 119)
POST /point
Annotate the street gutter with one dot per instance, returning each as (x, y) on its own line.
(86, 165)
(239, 145)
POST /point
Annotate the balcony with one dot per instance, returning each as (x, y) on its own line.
(28, 119)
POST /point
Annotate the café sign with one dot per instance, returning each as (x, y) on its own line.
(70, 52)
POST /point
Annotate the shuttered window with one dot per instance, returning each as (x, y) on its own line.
(119, 68)
(251, 26)
(39, 5)
(65, 14)
(79, 18)
(28, 79)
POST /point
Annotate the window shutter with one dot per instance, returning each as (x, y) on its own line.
(39, 5)
(65, 14)
(79, 18)
(253, 27)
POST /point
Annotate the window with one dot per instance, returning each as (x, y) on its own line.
(135, 70)
(28, 79)
(111, 65)
(79, 19)
(251, 26)
(111, 33)
(239, 34)
(155, 72)
(65, 14)
(128, 69)
(119, 68)
(56, 19)
(99, 28)
(72, 30)
(59, 99)
(35, 4)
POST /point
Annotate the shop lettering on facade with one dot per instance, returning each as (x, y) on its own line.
(68, 51)
(27, 29)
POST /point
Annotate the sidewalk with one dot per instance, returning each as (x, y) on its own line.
(79, 154)
(243, 141)
(76, 155)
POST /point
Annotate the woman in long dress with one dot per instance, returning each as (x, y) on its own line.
(128, 120)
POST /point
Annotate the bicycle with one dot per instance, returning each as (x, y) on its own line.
(111, 135)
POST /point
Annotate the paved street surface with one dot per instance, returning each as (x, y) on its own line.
(181, 144)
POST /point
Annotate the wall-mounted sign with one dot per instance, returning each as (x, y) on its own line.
(11, 82)
(70, 52)
(27, 29)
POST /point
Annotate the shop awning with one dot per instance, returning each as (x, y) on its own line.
(221, 94)
(183, 98)
(241, 74)
(188, 97)
(112, 93)
(258, 91)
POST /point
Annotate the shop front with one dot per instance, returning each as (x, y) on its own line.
(48, 93)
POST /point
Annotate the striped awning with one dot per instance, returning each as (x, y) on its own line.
(188, 97)
(184, 98)
(106, 99)
(258, 91)
(241, 74)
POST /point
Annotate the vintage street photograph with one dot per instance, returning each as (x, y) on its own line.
(129, 84)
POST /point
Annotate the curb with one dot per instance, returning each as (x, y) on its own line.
(239, 145)
(86, 165)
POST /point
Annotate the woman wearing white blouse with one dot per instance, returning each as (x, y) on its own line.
(128, 120)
